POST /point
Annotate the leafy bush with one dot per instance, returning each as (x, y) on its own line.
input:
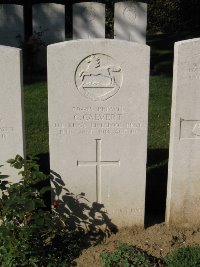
(30, 233)
(127, 256)
(184, 257)
(34, 234)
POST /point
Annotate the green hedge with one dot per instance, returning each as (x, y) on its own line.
(164, 16)
(173, 15)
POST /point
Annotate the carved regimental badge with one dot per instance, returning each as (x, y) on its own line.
(130, 13)
(90, 14)
(98, 77)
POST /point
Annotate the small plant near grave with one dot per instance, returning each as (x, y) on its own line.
(128, 256)
(30, 233)
(184, 257)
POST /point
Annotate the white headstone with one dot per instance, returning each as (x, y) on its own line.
(130, 21)
(49, 18)
(88, 20)
(183, 199)
(98, 109)
(11, 25)
(11, 109)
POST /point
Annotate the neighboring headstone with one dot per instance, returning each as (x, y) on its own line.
(98, 109)
(49, 22)
(49, 18)
(11, 25)
(88, 20)
(183, 199)
(130, 21)
(11, 109)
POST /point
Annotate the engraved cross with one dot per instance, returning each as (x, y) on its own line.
(98, 163)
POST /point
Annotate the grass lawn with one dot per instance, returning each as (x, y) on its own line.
(36, 118)
(159, 112)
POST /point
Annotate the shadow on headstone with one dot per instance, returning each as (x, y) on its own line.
(130, 21)
(88, 20)
(89, 219)
(11, 25)
(48, 28)
(156, 186)
(49, 18)
(162, 50)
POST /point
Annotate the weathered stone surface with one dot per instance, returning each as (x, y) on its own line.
(183, 199)
(130, 21)
(11, 109)
(88, 20)
(49, 20)
(11, 25)
(98, 109)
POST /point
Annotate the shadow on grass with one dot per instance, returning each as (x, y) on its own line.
(156, 186)
(31, 78)
(162, 50)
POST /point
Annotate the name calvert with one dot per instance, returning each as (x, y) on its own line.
(97, 117)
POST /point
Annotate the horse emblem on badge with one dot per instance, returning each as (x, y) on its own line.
(98, 77)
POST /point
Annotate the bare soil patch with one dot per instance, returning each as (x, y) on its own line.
(157, 240)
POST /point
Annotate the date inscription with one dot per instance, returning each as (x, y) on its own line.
(98, 121)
